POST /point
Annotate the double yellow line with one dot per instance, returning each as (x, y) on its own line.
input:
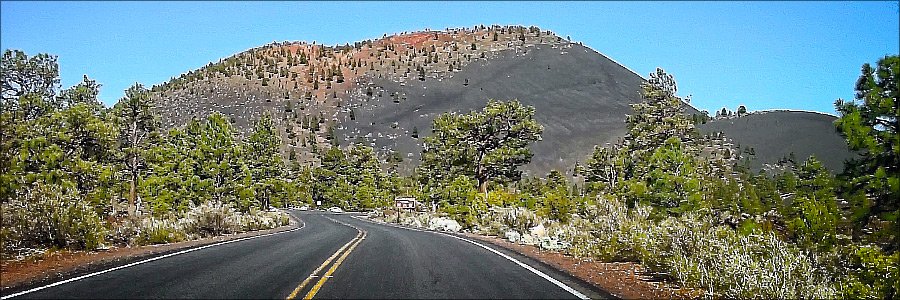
(315, 289)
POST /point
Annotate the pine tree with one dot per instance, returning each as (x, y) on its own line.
(264, 159)
(870, 126)
(136, 120)
(486, 145)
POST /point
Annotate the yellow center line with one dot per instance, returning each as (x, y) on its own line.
(315, 289)
(293, 294)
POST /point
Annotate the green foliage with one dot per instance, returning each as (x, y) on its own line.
(813, 215)
(137, 125)
(160, 232)
(870, 126)
(671, 175)
(872, 274)
(265, 162)
(659, 117)
(352, 179)
(23, 75)
(700, 254)
(486, 145)
(663, 164)
(557, 205)
(462, 202)
(520, 220)
(659, 163)
(67, 162)
(49, 215)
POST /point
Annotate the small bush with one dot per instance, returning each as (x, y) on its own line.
(699, 253)
(520, 219)
(124, 230)
(730, 265)
(49, 216)
(155, 231)
(210, 219)
(871, 274)
(262, 220)
(607, 231)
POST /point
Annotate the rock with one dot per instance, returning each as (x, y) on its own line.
(412, 222)
(539, 231)
(550, 243)
(513, 236)
(528, 239)
(444, 224)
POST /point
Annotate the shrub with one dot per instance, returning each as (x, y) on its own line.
(871, 274)
(558, 205)
(698, 253)
(155, 231)
(730, 265)
(49, 216)
(262, 220)
(464, 214)
(124, 230)
(607, 231)
(210, 219)
(520, 219)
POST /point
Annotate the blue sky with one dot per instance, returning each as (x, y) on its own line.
(765, 55)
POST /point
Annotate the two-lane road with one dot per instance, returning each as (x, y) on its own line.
(332, 256)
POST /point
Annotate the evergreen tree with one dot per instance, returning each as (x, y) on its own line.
(218, 157)
(870, 126)
(813, 215)
(84, 92)
(137, 123)
(658, 117)
(659, 163)
(264, 160)
(486, 145)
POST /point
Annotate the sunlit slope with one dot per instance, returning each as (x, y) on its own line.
(775, 135)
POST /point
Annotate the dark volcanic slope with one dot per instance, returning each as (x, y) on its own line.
(580, 96)
(776, 134)
(377, 91)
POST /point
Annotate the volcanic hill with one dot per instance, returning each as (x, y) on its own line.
(385, 93)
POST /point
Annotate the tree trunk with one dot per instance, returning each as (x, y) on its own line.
(132, 194)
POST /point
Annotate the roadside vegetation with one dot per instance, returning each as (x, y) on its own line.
(686, 206)
(77, 175)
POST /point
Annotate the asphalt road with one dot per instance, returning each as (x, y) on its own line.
(333, 256)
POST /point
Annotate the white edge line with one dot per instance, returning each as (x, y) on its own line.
(146, 261)
(521, 264)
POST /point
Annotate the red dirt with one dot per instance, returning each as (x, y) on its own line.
(56, 264)
(413, 38)
(624, 280)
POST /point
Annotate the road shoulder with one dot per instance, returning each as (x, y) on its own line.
(570, 281)
(55, 266)
(624, 280)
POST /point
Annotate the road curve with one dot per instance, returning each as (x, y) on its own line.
(347, 258)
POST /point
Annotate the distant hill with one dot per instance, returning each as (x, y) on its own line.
(579, 96)
(379, 92)
(774, 135)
